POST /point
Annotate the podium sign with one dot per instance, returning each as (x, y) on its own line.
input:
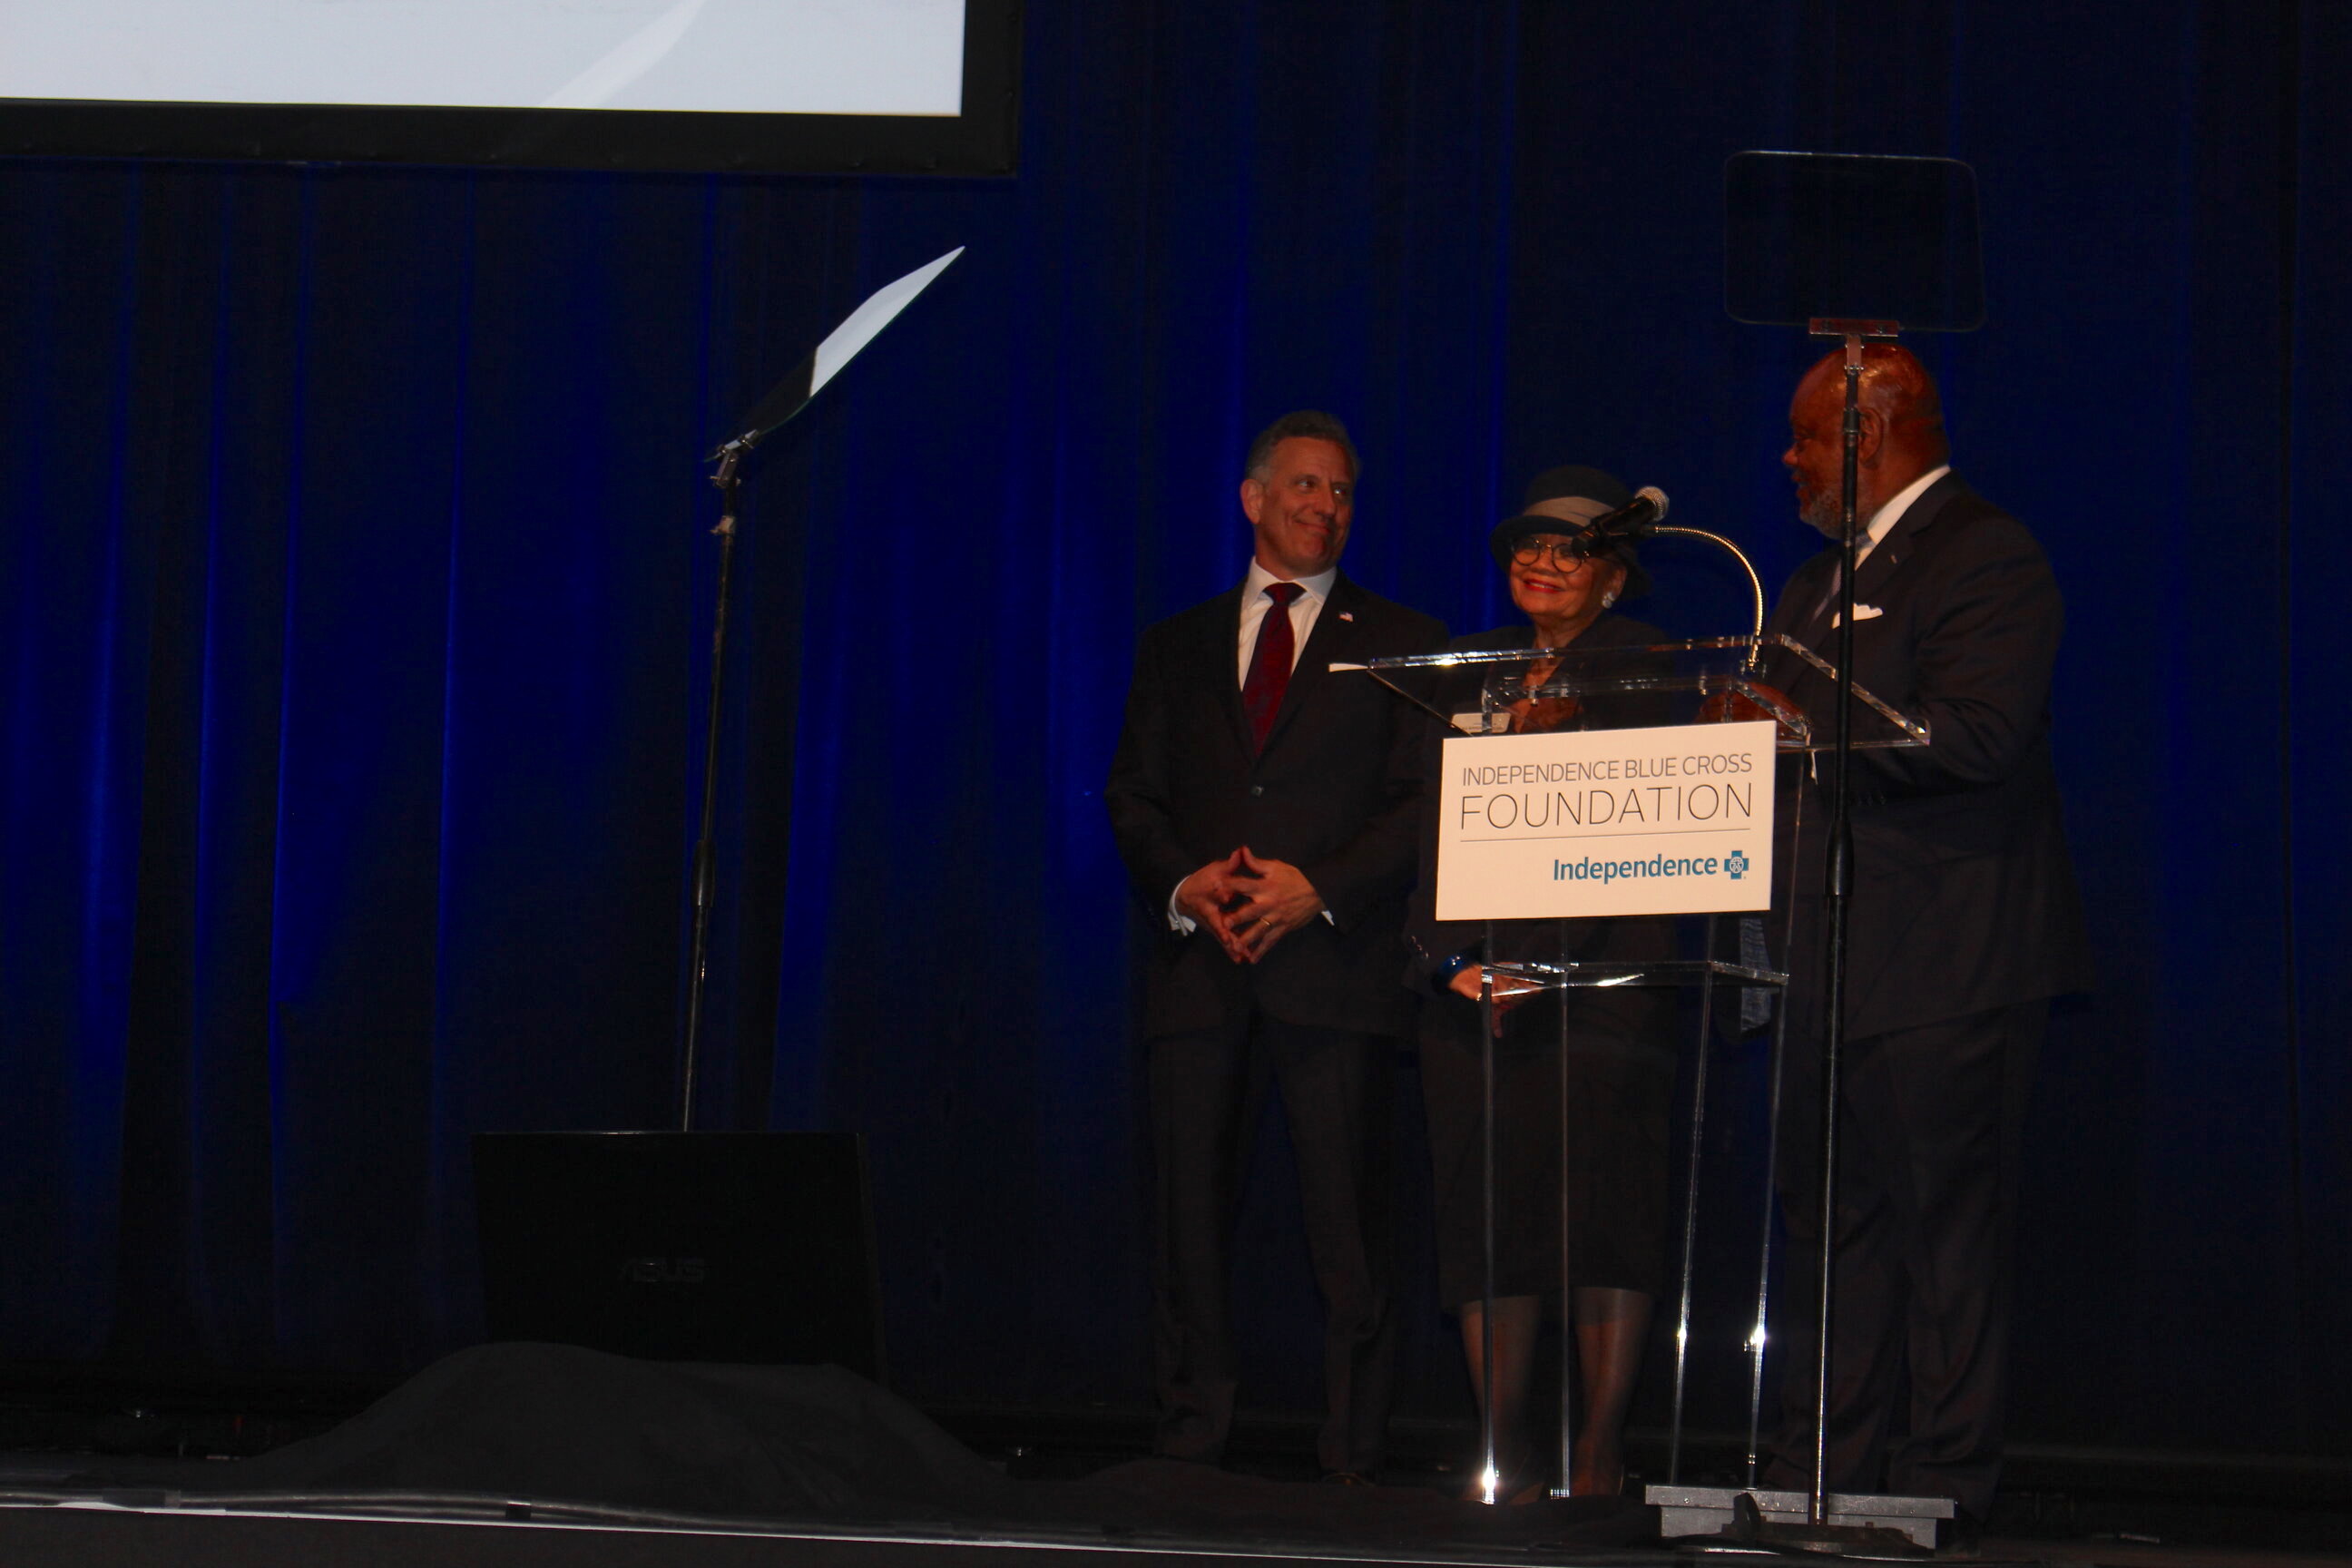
(1667, 820)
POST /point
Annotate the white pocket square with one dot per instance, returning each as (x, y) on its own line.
(1861, 613)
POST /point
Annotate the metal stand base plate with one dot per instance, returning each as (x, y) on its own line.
(1858, 1520)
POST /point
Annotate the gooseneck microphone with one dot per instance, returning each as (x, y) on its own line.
(1632, 520)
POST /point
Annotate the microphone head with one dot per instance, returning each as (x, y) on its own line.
(1656, 497)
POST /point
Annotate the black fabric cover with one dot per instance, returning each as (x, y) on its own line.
(557, 1421)
(552, 1424)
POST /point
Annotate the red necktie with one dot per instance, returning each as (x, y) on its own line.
(1269, 670)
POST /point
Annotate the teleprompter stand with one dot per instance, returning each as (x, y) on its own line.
(772, 1229)
(782, 401)
(1704, 851)
(1857, 249)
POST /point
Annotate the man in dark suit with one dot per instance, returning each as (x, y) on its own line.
(1964, 922)
(1266, 806)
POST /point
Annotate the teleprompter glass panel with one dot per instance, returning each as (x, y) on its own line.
(1812, 235)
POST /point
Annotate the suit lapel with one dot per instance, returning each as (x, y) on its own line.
(1795, 613)
(1903, 539)
(1794, 616)
(1216, 656)
(1801, 613)
(1332, 637)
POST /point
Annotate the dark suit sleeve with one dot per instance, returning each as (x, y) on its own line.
(1382, 858)
(1429, 941)
(1137, 792)
(1985, 647)
(1797, 594)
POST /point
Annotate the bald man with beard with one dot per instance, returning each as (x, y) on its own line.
(1964, 922)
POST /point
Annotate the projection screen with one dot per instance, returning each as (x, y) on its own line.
(781, 85)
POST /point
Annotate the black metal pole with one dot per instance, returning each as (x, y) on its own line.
(1760, 1337)
(1836, 896)
(1568, 1357)
(1488, 1480)
(1690, 1199)
(704, 874)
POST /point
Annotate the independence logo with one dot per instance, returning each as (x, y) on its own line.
(1734, 866)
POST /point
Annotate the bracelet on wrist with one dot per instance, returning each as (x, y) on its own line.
(1441, 979)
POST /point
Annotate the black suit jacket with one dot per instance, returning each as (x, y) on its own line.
(1336, 791)
(1964, 897)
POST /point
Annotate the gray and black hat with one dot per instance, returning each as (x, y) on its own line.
(1576, 495)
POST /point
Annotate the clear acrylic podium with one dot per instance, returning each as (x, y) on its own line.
(1696, 683)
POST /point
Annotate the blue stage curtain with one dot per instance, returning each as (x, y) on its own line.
(355, 559)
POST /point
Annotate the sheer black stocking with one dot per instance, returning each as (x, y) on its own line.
(1612, 1329)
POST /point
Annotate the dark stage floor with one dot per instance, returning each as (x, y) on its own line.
(496, 1463)
(133, 1531)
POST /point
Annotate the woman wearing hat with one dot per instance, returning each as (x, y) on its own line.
(1619, 1059)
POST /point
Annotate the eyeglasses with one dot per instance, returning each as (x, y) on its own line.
(1561, 553)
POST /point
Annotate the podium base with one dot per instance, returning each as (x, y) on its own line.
(1858, 1522)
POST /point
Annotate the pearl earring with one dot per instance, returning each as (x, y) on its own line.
(1607, 600)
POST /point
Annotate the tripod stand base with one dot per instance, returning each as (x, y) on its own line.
(1861, 1524)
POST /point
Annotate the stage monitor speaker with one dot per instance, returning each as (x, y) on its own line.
(743, 1248)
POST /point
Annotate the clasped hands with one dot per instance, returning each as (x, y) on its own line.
(1540, 715)
(1534, 714)
(1248, 904)
(1510, 990)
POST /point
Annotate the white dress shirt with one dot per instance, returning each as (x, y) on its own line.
(1884, 520)
(1304, 610)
